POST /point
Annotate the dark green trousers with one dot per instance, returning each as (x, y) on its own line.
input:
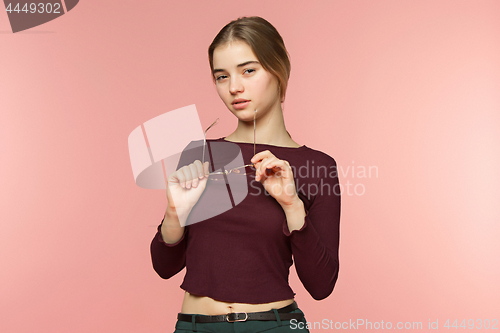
(251, 326)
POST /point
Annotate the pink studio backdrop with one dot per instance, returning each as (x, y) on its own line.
(408, 88)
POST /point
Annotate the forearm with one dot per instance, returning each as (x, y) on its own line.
(295, 215)
(315, 251)
(168, 248)
(171, 229)
(317, 266)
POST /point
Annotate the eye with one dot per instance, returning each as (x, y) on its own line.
(220, 77)
(249, 70)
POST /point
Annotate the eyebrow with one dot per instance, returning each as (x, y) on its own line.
(217, 70)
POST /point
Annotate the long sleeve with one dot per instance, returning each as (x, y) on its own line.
(315, 246)
(168, 259)
(244, 253)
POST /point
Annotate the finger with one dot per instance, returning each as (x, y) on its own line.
(258, 171)
(264, 168)
(261, 155)
(256, 168)
(185, 175)
(206, 169)
(193, 168)
(177, 177)
(200, 169)
(281, 169)
(189, 175)
(288, 169)
(276, 167)
(263, 165)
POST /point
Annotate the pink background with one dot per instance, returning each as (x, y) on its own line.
(409, 87)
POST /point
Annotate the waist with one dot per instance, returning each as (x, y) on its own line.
(203, 305)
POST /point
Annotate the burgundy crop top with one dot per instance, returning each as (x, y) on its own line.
(243, 255)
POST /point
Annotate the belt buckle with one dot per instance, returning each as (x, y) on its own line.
(235, 314)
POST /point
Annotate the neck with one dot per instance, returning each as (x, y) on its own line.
(270, 129)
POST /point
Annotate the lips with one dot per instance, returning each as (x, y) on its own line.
(240, 104)
(239, 101)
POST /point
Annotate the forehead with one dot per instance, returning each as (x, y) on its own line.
(231, 54)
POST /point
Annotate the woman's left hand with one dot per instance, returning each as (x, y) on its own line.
(277, 178)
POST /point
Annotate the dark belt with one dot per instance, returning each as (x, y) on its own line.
(244, 316)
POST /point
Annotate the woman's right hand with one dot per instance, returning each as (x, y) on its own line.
(185, 187)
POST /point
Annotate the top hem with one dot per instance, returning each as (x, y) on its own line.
(235, 301)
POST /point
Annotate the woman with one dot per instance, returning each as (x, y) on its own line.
(238, 261)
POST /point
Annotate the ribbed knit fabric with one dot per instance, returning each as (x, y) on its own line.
(243, 255)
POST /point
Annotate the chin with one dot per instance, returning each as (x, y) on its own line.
(242, 113)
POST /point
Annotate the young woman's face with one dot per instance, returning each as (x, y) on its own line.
(242, 83)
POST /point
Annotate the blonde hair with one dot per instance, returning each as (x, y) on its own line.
(265, 42)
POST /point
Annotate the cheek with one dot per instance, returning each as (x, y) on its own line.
(267, 87)
(262, 85)
(268, 82)
(222, 93)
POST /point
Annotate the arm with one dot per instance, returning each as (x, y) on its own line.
(169, 258)
(314, 236)
(168, 247)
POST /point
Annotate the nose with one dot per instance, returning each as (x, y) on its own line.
(235, 86)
